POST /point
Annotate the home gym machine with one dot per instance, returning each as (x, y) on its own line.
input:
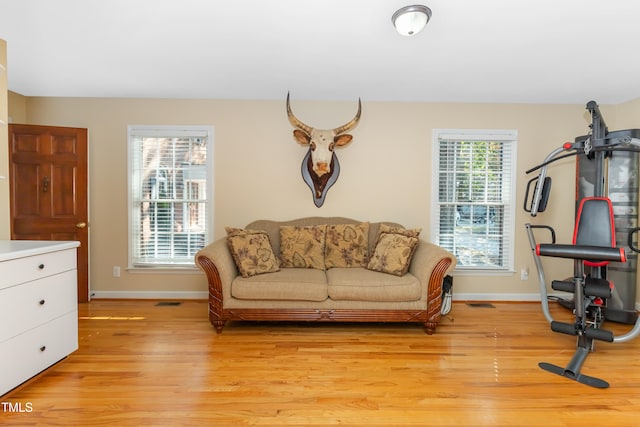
(596, 257)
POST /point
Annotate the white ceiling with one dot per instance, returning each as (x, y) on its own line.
(522, 51)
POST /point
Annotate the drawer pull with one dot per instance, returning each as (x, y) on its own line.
(43, 348)
(41, 267)
(41, 302)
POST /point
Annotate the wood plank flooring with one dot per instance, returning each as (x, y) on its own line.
(141, 364)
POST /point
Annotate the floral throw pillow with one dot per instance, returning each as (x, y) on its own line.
(251, 251)
(394, 250)
(347, 245)
(409, 232)
(302, 247)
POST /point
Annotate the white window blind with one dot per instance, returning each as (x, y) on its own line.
(474, 199)
(169, 199)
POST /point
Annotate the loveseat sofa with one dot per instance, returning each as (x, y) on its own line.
(324, 269)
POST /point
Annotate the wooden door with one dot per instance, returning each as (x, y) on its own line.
(48, 189)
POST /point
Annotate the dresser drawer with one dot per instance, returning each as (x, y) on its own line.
(30, 353)
(28, 305)
(20, 270)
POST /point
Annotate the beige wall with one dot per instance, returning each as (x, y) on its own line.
(385, 171)
(627, 116)
(18, 108)
(5, 220)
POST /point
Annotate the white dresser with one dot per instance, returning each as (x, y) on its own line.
(38, 307)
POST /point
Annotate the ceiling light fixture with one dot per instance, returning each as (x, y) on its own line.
(410, 20)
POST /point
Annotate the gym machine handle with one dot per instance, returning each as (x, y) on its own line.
(540, 197)
(631, 244)
(543, 185)
(599, 334)
(564, 328)
(593, 287)
(546, 227)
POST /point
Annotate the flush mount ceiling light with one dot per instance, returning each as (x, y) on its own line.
(410, 20)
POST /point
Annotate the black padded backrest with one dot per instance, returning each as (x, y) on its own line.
(594, 223)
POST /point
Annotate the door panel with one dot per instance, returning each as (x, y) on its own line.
(63, 202)
(48, 186)
(27, 175)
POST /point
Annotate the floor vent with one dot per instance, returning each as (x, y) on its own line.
(168, 303)
(481, 305)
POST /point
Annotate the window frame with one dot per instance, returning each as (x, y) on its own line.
(505, 136)
(166, 131)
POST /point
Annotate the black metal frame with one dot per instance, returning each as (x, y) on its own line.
(589, 289)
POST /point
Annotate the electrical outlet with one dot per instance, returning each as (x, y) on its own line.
(524, 274)
(116, 271)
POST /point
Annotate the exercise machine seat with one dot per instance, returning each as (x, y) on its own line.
(594, 236)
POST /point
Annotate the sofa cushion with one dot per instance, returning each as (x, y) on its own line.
(394, 249)
(273, 228)
(398, 229)
(293, 284)
(346, 245)
(360, 284)
(302, 247)
(251, 251)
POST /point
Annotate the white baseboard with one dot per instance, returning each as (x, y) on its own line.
(203, 295)
(508, 297)
(496, 297)
(174, 295)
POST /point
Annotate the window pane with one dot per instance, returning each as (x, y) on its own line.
(474, 200)
(168, 196)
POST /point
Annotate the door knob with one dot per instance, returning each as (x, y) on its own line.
(81, 225)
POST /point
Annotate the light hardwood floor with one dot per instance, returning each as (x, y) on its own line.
(142, 364)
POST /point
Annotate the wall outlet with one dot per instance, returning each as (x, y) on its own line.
(116, 271)
(524, 274)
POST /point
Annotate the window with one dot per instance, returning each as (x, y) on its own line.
(169, 199)
(474, 197)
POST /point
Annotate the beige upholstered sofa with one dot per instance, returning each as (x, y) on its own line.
(253, 275)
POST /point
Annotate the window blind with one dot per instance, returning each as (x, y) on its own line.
(474, 200)
(168, 183)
